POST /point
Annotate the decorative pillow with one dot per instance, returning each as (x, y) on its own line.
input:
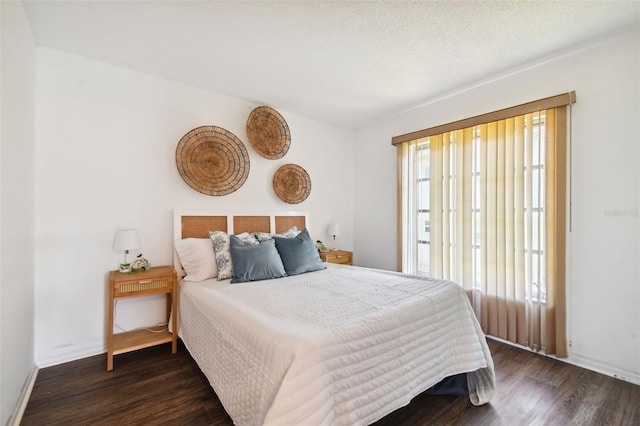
(299, 254)
(289, 233)
(253, 262)
(220, 241)
(197, 258)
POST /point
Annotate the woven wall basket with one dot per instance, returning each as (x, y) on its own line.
(268, 133)
(292, 183)
(212, 160)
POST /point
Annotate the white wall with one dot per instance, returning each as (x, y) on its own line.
(105, 159)
(604, 283)
(17, 138)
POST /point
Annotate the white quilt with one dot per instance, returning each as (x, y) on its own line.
(341, 346)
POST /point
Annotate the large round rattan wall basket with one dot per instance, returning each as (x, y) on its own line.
(212, 160)
(268, 133)
(292, 183)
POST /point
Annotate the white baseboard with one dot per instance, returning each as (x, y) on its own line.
(70, 353)
(589, 364)
(18, 412)
(608, 370)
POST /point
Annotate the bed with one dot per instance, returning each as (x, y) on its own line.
(341, 345)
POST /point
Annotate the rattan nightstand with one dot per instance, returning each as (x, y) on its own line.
(157, 280)
(337, 256)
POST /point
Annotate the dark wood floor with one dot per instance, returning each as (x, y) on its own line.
(153, 387)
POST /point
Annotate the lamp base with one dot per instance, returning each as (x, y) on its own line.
(124, 267)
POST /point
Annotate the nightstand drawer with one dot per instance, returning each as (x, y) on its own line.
(340, 259)
(146, 286)
(337, 256)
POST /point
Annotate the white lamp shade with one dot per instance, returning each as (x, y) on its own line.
(333, 229)
(126, 239)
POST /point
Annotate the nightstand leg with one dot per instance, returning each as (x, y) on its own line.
(174, 319)
(110, 326)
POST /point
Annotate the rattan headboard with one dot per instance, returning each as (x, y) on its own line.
(198, 223)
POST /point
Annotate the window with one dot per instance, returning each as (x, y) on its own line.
(534, 213)
(482, 203)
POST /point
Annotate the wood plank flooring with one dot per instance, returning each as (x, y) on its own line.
(153, 387)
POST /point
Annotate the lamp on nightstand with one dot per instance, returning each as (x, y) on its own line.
(334, 231)
(125, 240)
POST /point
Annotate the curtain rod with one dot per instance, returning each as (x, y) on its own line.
(529, 107)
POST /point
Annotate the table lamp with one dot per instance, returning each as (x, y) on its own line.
(334, 231)
(125, 240)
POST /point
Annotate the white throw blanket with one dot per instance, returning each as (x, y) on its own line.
(341, 346)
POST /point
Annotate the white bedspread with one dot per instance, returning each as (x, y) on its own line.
(342, 346)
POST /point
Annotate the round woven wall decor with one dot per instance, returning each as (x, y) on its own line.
(268, 133)
(292, 183)
(212, 160)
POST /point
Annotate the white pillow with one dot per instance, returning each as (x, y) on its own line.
(198, 258)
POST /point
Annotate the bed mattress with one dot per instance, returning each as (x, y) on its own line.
(341, 346)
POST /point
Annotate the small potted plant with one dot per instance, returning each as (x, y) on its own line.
(321, 247)
(139, 263)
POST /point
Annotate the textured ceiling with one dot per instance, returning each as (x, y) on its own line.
(345, 63)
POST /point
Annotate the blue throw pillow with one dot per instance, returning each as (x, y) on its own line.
(299, 254)
(254, 262)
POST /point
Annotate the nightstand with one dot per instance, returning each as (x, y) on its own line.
(337, 256)
(157, 280)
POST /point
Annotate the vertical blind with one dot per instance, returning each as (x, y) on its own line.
(485, 206)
